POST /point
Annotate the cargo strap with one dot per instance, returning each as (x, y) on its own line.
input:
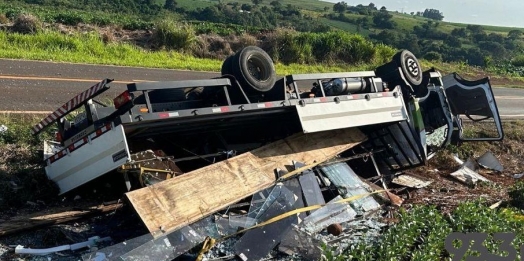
(210, 242)
(298, 171)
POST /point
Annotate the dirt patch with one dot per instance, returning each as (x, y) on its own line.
(446, 192)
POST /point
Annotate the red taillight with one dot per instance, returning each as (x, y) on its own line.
(122, 99)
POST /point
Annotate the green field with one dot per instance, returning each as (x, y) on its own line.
(304, 4)
(345, 26)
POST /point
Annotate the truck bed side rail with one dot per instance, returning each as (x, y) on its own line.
(73, 104)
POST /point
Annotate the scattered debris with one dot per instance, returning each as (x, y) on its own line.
(92, 241)
(332, 212)
(496, 205)
(177, 202)
(518, 176)
(349, 184)
(457, 159)
(472, 164)
(411, 181)
(334, 229)
(288, 216)
(489, 161)
(257, 243)
(468, 176)
(43, 219)
(3, 128)
(385, 196)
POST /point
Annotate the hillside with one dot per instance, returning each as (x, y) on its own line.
(498, 49)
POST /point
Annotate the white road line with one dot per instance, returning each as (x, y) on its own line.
(12, 77)
(26, 112)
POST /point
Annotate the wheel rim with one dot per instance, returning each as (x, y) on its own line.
(257, 68)
(412, 67)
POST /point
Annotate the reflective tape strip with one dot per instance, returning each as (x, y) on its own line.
(80, 143)
(69, 106)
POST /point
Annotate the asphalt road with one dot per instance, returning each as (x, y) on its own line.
(43, 86)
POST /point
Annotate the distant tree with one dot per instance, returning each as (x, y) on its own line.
(388, 37)
(275, 3)
(512, 45)
(494, 37)
(495, 48)
(459, 32)
(412, 13)
(170, 5)
(419, 13)
(234, 5)
(363, 21)
(383, 19)
(290, 11)
(476, 56)
(452, 41)
(433, 14)
(515, 34)
(246, 7)
(475, 29)
(433, 56)
(383, 8)
(372, 6)
(479, 37)
(256, 2)
(326, 8)
(412, 43)
(340, 7)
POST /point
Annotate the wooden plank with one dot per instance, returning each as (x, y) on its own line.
(48, 218)
(177, 202)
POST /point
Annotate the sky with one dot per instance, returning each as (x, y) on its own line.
(485, 12)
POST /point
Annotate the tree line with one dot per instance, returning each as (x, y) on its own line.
(470, 44)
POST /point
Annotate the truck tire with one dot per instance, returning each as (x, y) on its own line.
(227, 65)
(410, 67)
(253, 67)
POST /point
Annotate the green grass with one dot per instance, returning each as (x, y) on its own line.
(414, 238)
(90, 49)
(22, 176)
(344, 26)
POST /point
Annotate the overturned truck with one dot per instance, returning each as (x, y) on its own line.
(186, 149)
(406, 113)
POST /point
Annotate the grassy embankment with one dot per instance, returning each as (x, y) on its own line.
(90, 48)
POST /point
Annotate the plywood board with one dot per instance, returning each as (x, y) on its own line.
(177, 202)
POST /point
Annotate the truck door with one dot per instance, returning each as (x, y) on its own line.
(475, 112)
